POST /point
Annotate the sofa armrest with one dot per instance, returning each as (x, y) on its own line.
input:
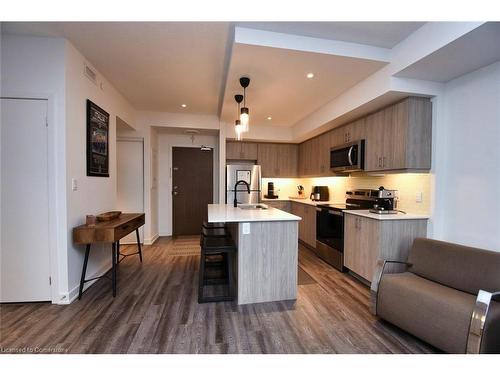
(478, 319)
(383, 266)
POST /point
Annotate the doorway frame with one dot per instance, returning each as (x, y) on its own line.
(215, 187)
(56, 176)
(138, 140)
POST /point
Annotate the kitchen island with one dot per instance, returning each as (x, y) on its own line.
(267, 256)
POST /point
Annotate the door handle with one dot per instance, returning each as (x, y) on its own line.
(175, 193)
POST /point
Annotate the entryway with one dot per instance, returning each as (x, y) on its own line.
(192, 188)
(25, 258)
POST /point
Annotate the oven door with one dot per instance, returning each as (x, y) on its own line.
(330, 228)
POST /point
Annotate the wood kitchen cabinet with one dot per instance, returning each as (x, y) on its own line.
(277, 159)
(348, 133)
(314, 156)
(307, 226)
(280, 205)
(399, 137)
(367, 240)
(241, 150)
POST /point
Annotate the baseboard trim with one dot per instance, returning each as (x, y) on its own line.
(73, 293)
(152, 240)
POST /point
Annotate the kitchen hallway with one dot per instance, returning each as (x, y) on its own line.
(156, 311)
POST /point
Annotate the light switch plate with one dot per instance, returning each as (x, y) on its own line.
(246, 228)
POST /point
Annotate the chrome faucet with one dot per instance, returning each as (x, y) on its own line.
(235, 203)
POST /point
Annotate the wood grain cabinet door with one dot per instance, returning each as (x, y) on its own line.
(374, 142)
(233, 150)
(361, 245)
(351, 241)
(278, 160)
(310, 225)
(268, 159)
(249, 151)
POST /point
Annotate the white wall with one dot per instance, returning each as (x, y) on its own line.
(33, 67)
(165, 144)
(467, 206)
(94, 194)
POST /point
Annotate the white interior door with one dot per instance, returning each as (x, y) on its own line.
(24, 257)
(130, 180)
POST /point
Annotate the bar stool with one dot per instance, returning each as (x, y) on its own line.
(216, 246)
(208, 225)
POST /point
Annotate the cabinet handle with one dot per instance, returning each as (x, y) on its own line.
(380, 161)
(383, 161)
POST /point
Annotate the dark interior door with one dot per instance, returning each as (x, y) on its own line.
(192, 188)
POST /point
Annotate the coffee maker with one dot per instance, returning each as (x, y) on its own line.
(270, 191)
(320, 193)
(386, 201)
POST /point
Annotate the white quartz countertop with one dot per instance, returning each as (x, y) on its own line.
(298, 200)
(226, 213)
(398, 216)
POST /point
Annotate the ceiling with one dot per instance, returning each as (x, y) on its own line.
(158, 66)
(379, 34)
(476, 49)
(279, 87)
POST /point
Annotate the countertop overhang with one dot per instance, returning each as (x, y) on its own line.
(226, 213)
(398, 216)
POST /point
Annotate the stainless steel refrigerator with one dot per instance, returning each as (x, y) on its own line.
(249, 173)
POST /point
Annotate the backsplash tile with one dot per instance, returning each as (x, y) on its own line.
(408, 185)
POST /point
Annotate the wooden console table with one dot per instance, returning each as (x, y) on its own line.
(108, 232)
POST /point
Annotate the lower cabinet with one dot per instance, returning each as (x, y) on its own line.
(280, 205)
(367, 240)
(307, 226)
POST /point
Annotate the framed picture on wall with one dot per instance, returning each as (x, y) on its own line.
(97, 141)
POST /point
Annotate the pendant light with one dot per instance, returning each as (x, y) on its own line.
(244, 113)
(238, 127)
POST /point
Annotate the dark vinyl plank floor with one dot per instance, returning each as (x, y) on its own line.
(156, 311)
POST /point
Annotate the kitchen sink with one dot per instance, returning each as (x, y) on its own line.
(257, 206)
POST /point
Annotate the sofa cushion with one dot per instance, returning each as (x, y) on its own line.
(461, 267)
(433, 312)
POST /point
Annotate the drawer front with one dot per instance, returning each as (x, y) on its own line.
(126, 228)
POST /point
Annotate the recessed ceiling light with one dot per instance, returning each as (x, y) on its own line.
(269, 118)
(183, 105)
(310, 75)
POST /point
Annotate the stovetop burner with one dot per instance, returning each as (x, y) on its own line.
(342, 206)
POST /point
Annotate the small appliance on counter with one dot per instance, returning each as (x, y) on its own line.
(385, 201)
(270, 191)
(320, 193)
(300, 191)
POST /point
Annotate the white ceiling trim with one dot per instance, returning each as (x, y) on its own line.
(309, 44)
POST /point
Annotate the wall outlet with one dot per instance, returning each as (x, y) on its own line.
(74, 184)
(246, 228)
(418, 197)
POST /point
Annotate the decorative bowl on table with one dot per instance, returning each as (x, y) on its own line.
(108, 216)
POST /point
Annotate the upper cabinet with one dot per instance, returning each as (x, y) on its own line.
(241, 150)
(278, 160)
(399, 137)
(348, 133)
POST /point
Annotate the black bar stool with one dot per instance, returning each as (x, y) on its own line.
(208, 225)
(216, 246)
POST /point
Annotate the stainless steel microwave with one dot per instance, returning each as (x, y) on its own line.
(349, 157)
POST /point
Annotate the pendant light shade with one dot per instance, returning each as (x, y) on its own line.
(245, 112)
(244, 118)
(238, 128)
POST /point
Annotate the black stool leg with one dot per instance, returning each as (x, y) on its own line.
(138, 243)
(84, 270)
(230, 279)
(113, 269)
(201, 277)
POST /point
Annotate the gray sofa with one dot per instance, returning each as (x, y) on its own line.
(446, 294)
